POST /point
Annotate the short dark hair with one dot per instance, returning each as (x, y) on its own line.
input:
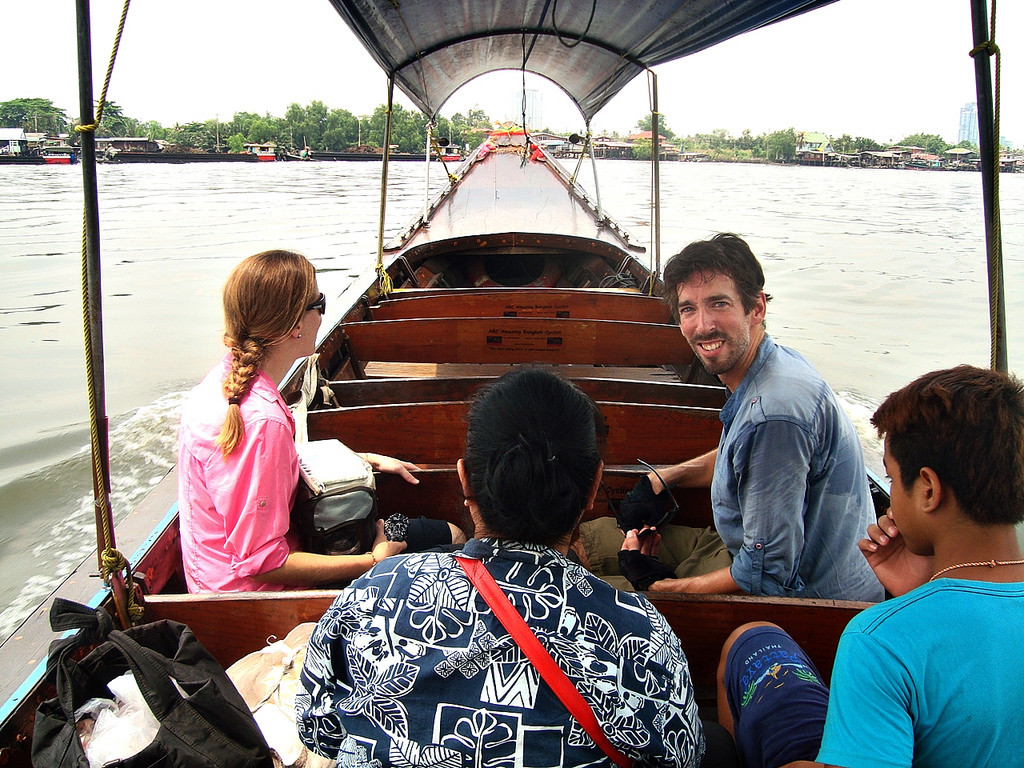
(724, 254)
(531, 455)
(967, 424)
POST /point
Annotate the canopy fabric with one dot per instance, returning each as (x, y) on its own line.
(590, 48)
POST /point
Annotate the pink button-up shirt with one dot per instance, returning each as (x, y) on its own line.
(234, 513)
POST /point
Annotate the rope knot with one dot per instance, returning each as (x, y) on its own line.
(988, 47)
(113, 562)
(386, 286)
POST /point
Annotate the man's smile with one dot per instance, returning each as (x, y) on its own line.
(711, 345)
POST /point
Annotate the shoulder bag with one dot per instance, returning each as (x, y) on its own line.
(335, 509)
(536, 653)
(203, 720)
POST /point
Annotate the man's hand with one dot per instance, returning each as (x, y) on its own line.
(716, 582)
(642, 507)
(682, 586)
(638, 559)
(897, 568)
(646, 541)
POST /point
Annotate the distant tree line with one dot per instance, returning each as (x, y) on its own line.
(780, 146)
(320, 127)
(315, 126)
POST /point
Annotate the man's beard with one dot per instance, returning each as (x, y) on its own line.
(719, 364)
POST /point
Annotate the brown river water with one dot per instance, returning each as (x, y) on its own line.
(878, 276)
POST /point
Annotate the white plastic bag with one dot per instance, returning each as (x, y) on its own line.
(121, 727)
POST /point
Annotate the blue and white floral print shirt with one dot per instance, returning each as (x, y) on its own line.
(409, 667)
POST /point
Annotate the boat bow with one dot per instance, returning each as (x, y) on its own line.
(501, 197)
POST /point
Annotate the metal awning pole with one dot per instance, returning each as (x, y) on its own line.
(382, 275)
(989, 147)
(92, 311)
(656, 176)
(426, 155)
(91, 292)
(593, 169)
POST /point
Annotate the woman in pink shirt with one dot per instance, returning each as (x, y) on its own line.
(237, 466)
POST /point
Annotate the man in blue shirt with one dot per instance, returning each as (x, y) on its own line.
(789, 489)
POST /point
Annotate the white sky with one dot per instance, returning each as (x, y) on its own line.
(877, 68)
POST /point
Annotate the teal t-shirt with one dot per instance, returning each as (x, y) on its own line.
(931, 679)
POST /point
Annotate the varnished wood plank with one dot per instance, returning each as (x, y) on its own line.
(439, 495)
(703, 622)
(592, 304)
(376, 369)
(412, 390)
(230, 625)
(435, 433)
(518, 340)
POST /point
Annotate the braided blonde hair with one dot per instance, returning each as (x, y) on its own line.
(265, 297)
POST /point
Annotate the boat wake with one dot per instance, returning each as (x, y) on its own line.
(38, 553)
(860, 410)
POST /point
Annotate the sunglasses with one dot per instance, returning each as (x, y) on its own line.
(320, 304)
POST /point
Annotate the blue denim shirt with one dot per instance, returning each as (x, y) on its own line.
(790, 492)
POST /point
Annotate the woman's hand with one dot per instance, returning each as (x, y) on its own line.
(394, 466)
(897, 568)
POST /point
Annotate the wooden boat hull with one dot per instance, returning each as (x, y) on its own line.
(402, 368)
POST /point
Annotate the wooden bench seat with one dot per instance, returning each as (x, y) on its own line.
(517, 340)
(439, 495)
(435, 433)
(702, 622)
(378, 369)
(583, 304)
(413, 390)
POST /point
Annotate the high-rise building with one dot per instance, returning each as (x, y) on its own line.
(969, 123)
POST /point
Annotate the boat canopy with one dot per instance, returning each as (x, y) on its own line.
(590, 49)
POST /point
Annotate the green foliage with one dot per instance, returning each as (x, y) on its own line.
(195, 135)
(934, 145)
(115, 123)
(746, 141)
(780, 146)
(844, 144)
(33, 116)
(863, 144)
(320, 127)
(408, 129)
(151, 129)
(236, 142)
(848, 145)
(644, 124)
(642, 149)
(445, 129)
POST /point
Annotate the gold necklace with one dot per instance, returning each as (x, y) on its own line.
(989, 563)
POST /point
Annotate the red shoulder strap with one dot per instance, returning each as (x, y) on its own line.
(535, 652)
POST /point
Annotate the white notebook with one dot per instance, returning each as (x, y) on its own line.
(328, 465)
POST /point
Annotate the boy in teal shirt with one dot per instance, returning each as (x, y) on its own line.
(932, 677)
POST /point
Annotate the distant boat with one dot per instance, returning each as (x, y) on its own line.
(59, 155)
(264, 152)
(450, 154)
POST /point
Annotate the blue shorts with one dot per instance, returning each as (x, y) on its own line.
(776, 697)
